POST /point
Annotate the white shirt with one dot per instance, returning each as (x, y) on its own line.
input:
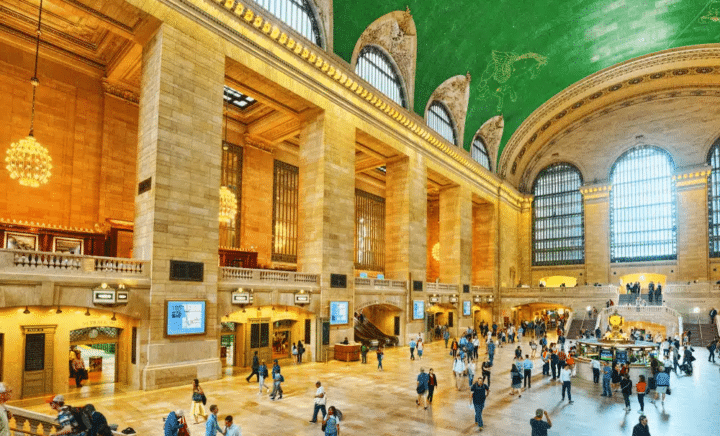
(596, 364)
(233, 430)
(458, 366)
(471, 368)
(565, 374)
(319, 391)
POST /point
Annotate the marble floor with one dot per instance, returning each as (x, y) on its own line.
(383, 402)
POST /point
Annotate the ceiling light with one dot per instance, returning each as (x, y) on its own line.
(26, 311)
(87, 312)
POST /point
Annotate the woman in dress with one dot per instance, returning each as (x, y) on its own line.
(516, 380)
(197, 408)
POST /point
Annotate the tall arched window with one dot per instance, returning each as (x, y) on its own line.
(714, 199)
(642, 206)
(376, 67)
(558, 217)
(439, 119)
(479, 152)
(298, 14)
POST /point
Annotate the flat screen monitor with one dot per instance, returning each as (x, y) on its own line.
(185, 317)
(606, 355)
(339, 312)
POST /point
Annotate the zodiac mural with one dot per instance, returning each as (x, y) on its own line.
(501, 68)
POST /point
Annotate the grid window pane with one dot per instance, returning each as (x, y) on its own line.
(285, 212)
(369, 231)
(375, 67)
(479, 153)
(558, 217)
(642, 207)
(714, 200)
(438, 118)
(237, 98)
(298, 14)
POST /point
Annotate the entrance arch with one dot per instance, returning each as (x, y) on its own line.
(378, 321)
(98, 347)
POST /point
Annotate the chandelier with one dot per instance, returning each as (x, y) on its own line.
(228, 205)
(27, 160)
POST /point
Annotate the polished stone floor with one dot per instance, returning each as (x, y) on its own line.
(383, 403)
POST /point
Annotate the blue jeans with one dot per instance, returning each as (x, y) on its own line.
(470, 378)
(319, 407)
(566, 386)
(380, 362)
(606, 387)
(641, 400)
(492, 356)
(478, 413)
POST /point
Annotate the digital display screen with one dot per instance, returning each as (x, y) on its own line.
(606, 355)
(339, 312)
(418, 309)
(621, 356)
(185, 318)
(467, 308)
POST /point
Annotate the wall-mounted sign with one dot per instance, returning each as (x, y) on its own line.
(241, 298)
(453, 298)
(418, 309)
(467, 308)
(103, 296)
(302, 298)
(434, 299)
(339, 312)
(185, 317)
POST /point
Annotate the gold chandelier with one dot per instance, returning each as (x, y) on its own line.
(27, 160)
(228, 205)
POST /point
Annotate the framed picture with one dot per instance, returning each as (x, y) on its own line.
(21, 241)
(185, 317)
(339, 312)
(467, 308)
(418, 309)
(67, 245)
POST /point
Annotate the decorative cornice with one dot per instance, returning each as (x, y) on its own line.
(593, 89)
(259, 143)
(119, 91)
(50, 226)
(321, 61)
(689, 178)
(595, 192)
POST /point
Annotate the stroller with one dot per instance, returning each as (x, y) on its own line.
(686, 369)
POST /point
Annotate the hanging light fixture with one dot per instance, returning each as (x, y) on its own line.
(228, 199)
(27, 160)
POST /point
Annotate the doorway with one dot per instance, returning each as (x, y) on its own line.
(98, 348)
(282, 338)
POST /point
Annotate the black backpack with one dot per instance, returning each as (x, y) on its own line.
(80, 422)
(87, 419)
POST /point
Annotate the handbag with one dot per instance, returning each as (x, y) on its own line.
(203, 398)
(196, 396)
(668, 390)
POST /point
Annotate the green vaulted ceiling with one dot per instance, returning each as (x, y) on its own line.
(548, 45)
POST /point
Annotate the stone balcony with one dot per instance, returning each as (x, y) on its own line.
(26, 422)
(231, 277)
(37, 266)
(367, 285)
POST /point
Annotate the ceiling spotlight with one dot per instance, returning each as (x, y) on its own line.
(87, 312)
(58, 311)
(26, 311)
(243, 311)
(113, 318)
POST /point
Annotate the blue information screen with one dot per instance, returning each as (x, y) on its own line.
(339, 312)
(418, 309)
(606, 355)
(467, 306)
(185, 318)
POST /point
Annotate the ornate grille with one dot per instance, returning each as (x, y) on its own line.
(285, 212)
(714, 200)
(375, 66)
(369, 231)
(479, 152)
(642, 206)
(439, 119)
(231, 177)
(94, 334)
(558, 217)
(298, 14)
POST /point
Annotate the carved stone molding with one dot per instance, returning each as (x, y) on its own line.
(395, 32)
(491, 133)
(455, 94)
(692, 178)
(121, 92)
(259, 143)
(595, 192)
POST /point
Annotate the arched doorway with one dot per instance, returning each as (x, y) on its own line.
(378, 322)
(444, 315)
(98, 348)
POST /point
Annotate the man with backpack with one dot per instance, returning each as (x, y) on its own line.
(69, 418)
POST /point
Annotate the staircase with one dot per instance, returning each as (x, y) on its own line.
(365, 331)
(702, 334)
(578, 325)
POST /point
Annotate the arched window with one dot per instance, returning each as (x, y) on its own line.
(558, 217)
(714, 199)
(298, 14)
(376, 67)
(479, 152)
(642, 206)
(438, 118)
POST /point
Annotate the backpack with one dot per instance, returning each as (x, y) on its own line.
(78, 415)
(87, 413)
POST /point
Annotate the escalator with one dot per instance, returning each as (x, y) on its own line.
(365, 331)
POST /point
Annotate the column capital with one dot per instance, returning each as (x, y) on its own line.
(693, 177)
(526, 203)
(120, 91)
(596, 191)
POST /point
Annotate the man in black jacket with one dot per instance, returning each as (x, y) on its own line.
(255, 366)
(641, 429)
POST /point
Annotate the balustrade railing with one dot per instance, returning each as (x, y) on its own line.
(31, 261)
(268, 276)
(26, 422)
(361, 282)
(440, 287)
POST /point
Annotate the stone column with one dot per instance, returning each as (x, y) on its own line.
(484, 247)
(525, 241)
(177, 219)
(326, 240)
(692, 223)
(597, 233)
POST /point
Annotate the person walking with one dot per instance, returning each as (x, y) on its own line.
(173, 422)
(262, 375)
(422, 388)
(79, 369)
(478, 393)
(538, 426)
(527, 372)
(454, 347)
(300, 350)
(458, 370)
(607, 377)
(626, 388)
(198, 408)
(211, 426)
(711, 348)
(231, 429)
(319, 401)
(486, 372)
(363, 352)
(554, 361)
(491, 351)
(380, 354)
(255, 366)
(412, 345)
(332, 422)
(471, 372)
(420, 348)
(641, 428)
(277, 385)
(432, 384)
(515, 380)
(662, 380)
(641, 388)
(446, 337)
(565, 378)
(596, 370)
(294, 353)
